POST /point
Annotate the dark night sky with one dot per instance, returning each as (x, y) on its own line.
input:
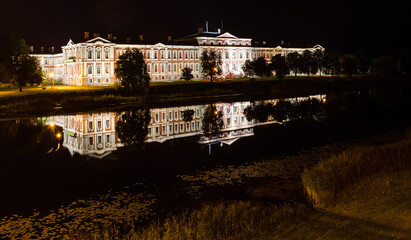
(336, 25)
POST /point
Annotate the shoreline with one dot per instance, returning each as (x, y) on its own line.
(55, 101)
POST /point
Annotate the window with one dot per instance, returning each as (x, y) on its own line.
(169, 67)
(107, 69)
(226, 55)
(175, 67)
(157, 132)
(155, 54)
(155, 68)
(192, 66)
(181, 127)
(193, 126)
(156, 117)
(99, 125)
(90, 126)
(90, 80)
(228, 121)
(198, 125)
(176, 128)
(247, 55)
(175, 115)
(196, 54)
(148, 67)
(168, 54)
(98, 80)
(98, 55)
(170, 128)
(149, 130)
(191, 54)
(234, 55)
(107, 124)
(180, 56)
(107, 80)
(241, 55)
(163, 130)
(98, 68)
(148, 54)
(99, 139)
(188, 126)
(107, 138)
(90, 141)
(106, 53)
(163, 117)
(89, 54)
(89, 69)
(170, 116)
(162, 67)
(118, 53)
(174, 54)
(162, 54)
(185, 54)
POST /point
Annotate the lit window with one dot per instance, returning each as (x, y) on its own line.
(99, 125)
(98, 55)
(107, 124)
(90, 69)
(106, 54)
(90, 126)
(107, 69)
(89, 54)
(98, 68)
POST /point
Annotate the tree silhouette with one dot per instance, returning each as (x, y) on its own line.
(26, 71)
(188, 115)
(294, 61)
(131, 69)
(261, 68)
(186, 74)
(248, 68)
(279, 65)
(211, 64)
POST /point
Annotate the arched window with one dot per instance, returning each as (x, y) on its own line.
(192, 66)
(98, 68)
(155, 68)
(89, 54)
(98, 54)
(106, 53)
(197, 67)
(148, 67)
(162, 54)
(155, 54)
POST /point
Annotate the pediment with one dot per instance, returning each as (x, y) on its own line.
(98, 39)
(226, 35)
(159, 45)
(70, 42)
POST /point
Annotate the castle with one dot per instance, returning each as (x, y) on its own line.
(91, 61)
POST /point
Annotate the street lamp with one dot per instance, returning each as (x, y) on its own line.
(52, 79)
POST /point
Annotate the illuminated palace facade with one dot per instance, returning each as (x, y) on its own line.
(92, 61)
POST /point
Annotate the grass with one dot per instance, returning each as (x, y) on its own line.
(326, 182)
(236, 220)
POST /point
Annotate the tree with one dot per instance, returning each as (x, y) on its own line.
(294, 61)
(188, 115)
(132, 127)
(348, 66)
(261, 68)
(211, 63)
(332, 63)
(26, 71)
(186, 74)
(131, 69)
(248, 68)
(308, 64)
(212, 121)
(385, 65)
(279, 65)
(319, 60)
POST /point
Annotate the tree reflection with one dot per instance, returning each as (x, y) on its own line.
(212, 121)
(132, 127)
(26, 137)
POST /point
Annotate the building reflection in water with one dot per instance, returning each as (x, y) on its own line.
(95, 135)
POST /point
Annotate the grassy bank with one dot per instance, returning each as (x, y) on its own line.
(330, 180)
(63, 99)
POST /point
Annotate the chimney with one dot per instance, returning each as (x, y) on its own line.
(114, 37)
(96, 35)
(128, 40)
(31, 49)
(109, 36)
(200, 30)
(86, 35)
(141, 37)
(42, 49)
(206, 26)
(219, 30)
(169, 38)
(52, 49)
